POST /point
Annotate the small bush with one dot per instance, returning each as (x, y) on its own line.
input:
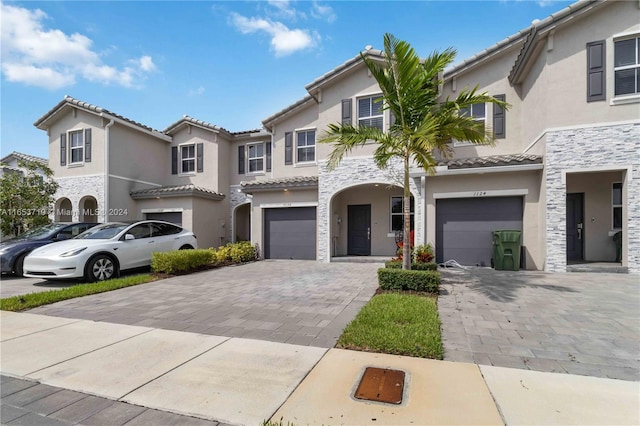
(423, 254)
(172, 262)
(236, 253)
(415, 266)
(399, 279)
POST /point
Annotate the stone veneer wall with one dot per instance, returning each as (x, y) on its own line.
(75, 188)
(236, 198)
(591, 148)
(352, 172)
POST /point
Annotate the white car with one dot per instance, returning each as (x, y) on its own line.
(103, 251)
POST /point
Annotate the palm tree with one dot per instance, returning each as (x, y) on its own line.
(423, 124)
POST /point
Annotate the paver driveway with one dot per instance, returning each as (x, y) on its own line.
(287, 301)
(577, 323)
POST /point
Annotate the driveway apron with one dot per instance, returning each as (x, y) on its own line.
(299, 302)
(576, 323)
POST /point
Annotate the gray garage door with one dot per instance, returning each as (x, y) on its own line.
(290, 233)
(464, 227)
(173, 217)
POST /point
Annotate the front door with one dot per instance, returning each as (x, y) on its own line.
(359, 230)
(575, 226)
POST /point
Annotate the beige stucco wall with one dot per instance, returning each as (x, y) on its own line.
(232, 154)
(533, 223)
(71, 119)
(210, 176)
(382, 238)
(598, 212)
(262, 200)
(136, 155)
(210, 222)
(121, 205)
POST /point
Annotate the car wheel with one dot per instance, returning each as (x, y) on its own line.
(186, 247)
(18, 268)
(100, 268)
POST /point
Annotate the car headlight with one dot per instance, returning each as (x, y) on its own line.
(73, 252)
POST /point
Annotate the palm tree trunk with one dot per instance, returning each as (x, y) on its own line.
(406, 206)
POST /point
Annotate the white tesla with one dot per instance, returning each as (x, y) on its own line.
(103, 251)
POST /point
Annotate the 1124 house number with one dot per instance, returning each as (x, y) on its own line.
(480, 193)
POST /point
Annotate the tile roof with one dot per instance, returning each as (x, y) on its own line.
(288, 109)
(191, 120)
(280, 183)
(492, 161)
(176, 191)
(25, 157)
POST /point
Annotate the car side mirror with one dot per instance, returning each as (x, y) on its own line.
(129, 237)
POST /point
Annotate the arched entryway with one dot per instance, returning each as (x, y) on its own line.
(64, 210)
(88, 209)
(242, 222)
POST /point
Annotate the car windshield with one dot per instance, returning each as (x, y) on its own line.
(42, 231)
(102, 232)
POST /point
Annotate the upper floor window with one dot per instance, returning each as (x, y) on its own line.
(370, 112)
(616, 202)
(478, 112)
(255, 157)
(397, 214)
(627, 66)
(188, 158)
(76, 147)
(306, 146)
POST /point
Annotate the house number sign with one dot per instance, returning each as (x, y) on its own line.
(480, 194)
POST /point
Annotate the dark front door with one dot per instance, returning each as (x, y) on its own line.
(359, 230)
(575, 226)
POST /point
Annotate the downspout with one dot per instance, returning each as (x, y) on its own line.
(106, 169)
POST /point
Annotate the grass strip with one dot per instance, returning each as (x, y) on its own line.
(33, 300)
(396, 323)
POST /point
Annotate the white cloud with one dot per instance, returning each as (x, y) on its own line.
(319, 11)
(49, 58)
(284, 41)
(196, 92)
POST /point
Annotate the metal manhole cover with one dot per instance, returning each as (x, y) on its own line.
(381, 385)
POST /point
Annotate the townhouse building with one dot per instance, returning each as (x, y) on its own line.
(565, 168)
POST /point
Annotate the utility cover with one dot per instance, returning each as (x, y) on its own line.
(381, 385)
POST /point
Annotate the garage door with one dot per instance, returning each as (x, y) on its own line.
(464, 227)
(173, 217)
(290, 233)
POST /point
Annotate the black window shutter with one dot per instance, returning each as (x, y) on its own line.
(199, 155)
(346, 111)
(596, 78)
(174, 160)
(241, 159)
(63, 149)
(268, 149)
(87, 145)
(499, 123)
(288, 148)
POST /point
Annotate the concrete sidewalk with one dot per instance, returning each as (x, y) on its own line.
(244, 381)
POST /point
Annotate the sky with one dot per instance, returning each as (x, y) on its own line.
(230, 63)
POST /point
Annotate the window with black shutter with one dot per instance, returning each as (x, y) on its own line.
(596, 82)
(288, 148)
(241, 159)
(63, 149)
(87, 145)
(174, 160)
(499, 123)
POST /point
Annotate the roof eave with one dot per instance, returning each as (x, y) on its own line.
(278, 187)
(184, 193)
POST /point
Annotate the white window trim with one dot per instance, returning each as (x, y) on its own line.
(613, 206)
(391, 213)
(315, 146)
(69, 148)
(368, 96)
(181, 172)
(626, 98)
(248, 160)
(457, 143)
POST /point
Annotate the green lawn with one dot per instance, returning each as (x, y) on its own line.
(396, 323)
(33, 300)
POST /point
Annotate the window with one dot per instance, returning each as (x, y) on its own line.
(140, 231)
(616, 201)
(397, 215)
(370, 113)
(163, 229)
(627, 66)
(255, 156)
(306, 146)
(76, 147)
(188, 158)
(478, 113)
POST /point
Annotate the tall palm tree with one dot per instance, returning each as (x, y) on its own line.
(423, 124)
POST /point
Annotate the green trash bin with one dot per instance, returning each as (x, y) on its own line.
(506, 250)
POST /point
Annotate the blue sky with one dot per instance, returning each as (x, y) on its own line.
(231, 63)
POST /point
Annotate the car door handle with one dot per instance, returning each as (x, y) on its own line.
(151, 242)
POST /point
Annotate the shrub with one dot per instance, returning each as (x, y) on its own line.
(236, 253)
(399, 279)
(423, 254)
(172, 262)
(415, 266)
